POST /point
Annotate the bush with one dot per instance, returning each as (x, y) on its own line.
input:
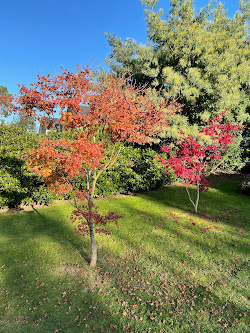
(137, 169)
(17, 184)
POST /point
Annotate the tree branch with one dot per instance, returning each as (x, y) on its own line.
(190, 197)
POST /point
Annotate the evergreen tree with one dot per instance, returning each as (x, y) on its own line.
(27, 123)
(4, 95)
(199, 56)
(202, 56)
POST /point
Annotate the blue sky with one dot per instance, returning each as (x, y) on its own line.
(37, 36)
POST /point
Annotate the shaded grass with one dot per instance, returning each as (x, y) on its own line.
(162, 270)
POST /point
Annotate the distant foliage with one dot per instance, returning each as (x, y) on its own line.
(5, 98)
(28, 123)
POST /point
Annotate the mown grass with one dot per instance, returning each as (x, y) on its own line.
(162, 270)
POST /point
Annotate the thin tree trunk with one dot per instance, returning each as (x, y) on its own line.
(195, 204)
(216, 167)
(197, 198)
(93, 258)
(190, 197)
(92, 237)
(93, 245)
(91, 193)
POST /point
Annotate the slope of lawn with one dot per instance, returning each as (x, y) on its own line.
(162, 270)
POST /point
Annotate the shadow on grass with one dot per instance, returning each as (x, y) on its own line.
(42, 245)
(184, 256)
(211, 205)
(38, 223)
(195, 238)
(46, 282)
(224, 195)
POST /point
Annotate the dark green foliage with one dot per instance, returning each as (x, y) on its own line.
(137, 169)
(17, 184)
(15, 141)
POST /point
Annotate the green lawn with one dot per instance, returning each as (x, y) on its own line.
(162, 270)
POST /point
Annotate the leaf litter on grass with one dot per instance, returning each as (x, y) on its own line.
(173, 270)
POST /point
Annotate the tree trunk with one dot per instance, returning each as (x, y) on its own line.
(93, 259)
(195, 204)
(93, 245)
(197, 198)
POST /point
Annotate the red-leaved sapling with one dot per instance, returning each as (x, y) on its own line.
(191, 159)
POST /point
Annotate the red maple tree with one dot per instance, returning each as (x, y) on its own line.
(192, 158)
(117, 112)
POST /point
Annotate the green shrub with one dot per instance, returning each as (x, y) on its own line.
(15, 141)
(137, 169)
(17, 184)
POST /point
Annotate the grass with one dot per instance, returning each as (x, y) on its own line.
(162, 270)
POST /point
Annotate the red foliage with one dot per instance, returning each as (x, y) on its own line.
(117, 112)
(124, 112)
(44, 97)
(6, 103)
(191, 159)
(61, 161)
(116, 107)
(83, 214)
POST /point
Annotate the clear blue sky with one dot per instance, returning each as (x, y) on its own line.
(37, 36)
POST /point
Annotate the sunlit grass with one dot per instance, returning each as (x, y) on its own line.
(162, 270)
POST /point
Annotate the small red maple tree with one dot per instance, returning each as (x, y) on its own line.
(117, 112)
(192, 158)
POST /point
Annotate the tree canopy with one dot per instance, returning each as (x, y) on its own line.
(4, 98)
(118, 112)
(200, 55)
(27, 123)
(192, 158)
